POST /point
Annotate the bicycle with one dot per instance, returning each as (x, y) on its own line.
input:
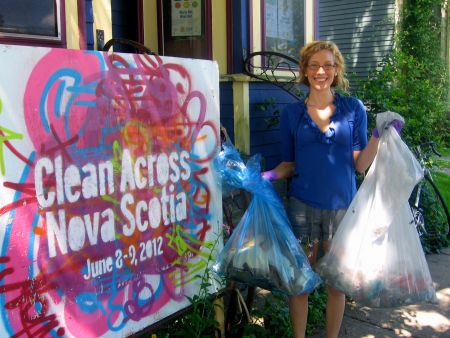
(427, 202)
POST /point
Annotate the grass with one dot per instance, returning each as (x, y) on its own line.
(441, 164)
(442, 181)
(445, 152)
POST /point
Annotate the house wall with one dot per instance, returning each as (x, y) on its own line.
(72, 31)
(265, 140)
(252, 136)
(101, 10)
(219, 33)
(226, 107)
(363, 31)
(150, 24)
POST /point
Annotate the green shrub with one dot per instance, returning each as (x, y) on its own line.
(200, 320)
(272, 317)
(316, 310)
(435, 237)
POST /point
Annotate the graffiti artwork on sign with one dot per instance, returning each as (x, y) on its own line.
(108, 207)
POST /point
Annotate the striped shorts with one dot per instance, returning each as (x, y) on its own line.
(312, 224)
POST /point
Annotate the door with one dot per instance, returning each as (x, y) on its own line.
(126, 23)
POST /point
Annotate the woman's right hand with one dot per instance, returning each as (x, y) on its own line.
(269, 175)
(283, 170)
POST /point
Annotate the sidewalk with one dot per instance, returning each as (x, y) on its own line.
(417, 321)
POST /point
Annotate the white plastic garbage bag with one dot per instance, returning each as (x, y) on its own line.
(376, 256)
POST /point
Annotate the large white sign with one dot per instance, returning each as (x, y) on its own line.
(108, 205)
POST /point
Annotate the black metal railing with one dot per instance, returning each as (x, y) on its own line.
(275, 68)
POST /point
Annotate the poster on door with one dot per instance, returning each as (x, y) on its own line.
(186, 18)
(108, 205)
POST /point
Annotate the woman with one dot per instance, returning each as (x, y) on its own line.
(324, 140)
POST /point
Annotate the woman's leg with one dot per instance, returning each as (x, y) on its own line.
(298, 307)
(335, 312)
(303, 218)
(335, 305)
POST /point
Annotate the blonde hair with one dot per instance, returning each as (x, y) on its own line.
(312, 48)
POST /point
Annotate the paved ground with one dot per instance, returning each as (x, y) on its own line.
(427, 321)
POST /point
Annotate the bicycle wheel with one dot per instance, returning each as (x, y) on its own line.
(436, 215)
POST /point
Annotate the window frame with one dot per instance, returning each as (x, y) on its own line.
(263, 28)
(258, 30)
(40, 40)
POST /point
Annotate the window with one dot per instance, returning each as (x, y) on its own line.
(31, 22)
(284, 22)
(185, 28)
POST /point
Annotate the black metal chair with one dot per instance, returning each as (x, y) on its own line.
(141, 48)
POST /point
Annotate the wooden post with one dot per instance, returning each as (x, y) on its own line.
(220, 316)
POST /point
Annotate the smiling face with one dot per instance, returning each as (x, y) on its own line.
(321, 70)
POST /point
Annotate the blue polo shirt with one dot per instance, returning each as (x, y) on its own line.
(324, 168)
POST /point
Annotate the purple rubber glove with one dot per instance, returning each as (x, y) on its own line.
(375, 133)
(269, 175)
(397, 124)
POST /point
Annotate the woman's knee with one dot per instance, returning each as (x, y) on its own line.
(298, 304)
(299, 298)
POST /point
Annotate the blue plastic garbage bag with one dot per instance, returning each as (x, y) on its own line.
(262, 250)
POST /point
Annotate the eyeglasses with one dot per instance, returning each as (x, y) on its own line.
(315, 66)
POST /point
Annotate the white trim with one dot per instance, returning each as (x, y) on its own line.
(309, 20)
(255, 21)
